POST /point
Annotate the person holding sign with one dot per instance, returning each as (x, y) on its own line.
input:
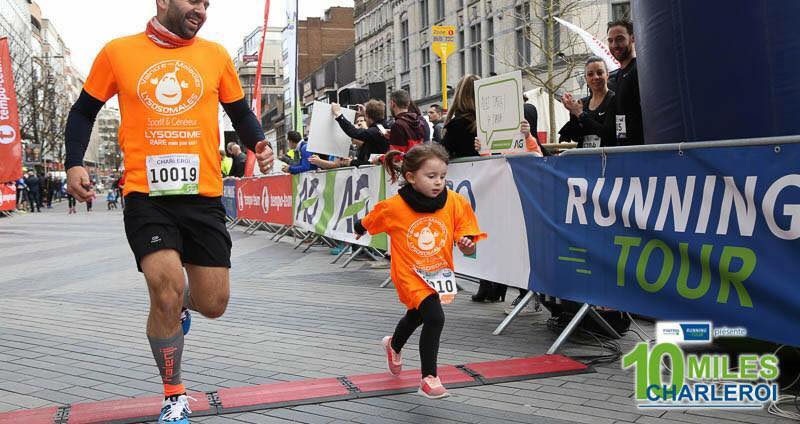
(372, 137)
(460, 128)
(587, 116)
(424, 221)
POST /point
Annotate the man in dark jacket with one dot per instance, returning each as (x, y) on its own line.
(239, 160)
(375, 142)
(435, 116)
(407, 130)
(34, 192)
(627, 119)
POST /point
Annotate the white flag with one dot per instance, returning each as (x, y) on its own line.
(596, 46)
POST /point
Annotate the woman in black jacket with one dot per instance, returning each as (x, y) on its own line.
(460, 128)
(375, 142)
(587, 116)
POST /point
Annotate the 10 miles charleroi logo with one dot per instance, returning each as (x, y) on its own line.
(170, 87)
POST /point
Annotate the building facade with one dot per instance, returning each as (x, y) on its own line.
(491, 37)
(327, 81)
(318, 40)
(246, 62)
(374, 48)
(322, 39)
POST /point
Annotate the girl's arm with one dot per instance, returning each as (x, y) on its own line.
(466, 245)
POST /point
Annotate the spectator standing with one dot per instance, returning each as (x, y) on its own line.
(22, 193)
(226, 163)
(374, 141)
(587, 116)
(297, 143)
(47, 191)
(627, 118)
(460, 128)
(239, 160)
(34, 192)
(427, 128)
(435, 117)
(408, 129)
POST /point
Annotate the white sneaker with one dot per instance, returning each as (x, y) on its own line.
(175, 410)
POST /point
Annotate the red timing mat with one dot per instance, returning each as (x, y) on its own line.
(292, 393)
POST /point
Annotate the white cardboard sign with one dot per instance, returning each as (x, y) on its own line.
(325, 137)
(498, 110)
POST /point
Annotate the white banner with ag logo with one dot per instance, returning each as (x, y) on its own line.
(329, 203)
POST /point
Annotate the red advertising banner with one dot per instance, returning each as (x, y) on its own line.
(10, 141)
(8, 197)
(265, 199)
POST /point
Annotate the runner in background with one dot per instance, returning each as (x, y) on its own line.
(424, 221)
(169, 84)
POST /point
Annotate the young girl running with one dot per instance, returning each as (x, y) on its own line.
(424, 221)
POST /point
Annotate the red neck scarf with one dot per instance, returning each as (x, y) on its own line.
(163, 37)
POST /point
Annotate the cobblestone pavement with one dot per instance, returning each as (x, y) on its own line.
(74, 310)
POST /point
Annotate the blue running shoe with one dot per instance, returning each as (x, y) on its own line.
(186, 321)
(175, 410)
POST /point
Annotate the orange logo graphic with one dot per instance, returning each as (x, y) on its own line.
(427, 236)
(171, 87)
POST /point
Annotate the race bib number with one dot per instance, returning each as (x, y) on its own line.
(622, 132)
(591, 141)
(177, 174)
(443, 281)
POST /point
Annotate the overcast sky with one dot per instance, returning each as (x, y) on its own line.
(86, 25)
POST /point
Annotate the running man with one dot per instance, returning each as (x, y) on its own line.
(169, 84)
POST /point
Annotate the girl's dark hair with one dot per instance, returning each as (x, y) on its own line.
(397, 163)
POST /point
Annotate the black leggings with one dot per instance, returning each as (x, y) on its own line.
(71, 201)
(431, 316)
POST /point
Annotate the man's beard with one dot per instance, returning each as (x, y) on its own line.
(625, 54)
(177, 24)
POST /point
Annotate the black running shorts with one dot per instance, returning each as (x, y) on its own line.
(192, 225)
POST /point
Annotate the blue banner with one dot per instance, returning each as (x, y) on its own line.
(705, 234)
(229, 197)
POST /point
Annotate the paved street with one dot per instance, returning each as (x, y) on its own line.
(74, 310)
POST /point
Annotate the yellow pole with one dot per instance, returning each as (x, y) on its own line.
(444, 83)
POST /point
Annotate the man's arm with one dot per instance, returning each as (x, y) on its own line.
(244, 123)
(79, 128)
(250, 132)
(351, 131)
(76, 139)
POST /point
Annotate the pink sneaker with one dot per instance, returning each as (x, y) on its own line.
(393, 359)
(432, 388)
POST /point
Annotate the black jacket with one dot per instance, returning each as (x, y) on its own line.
(591, 123)
(374, 142)
(459, 140)
(625, 84)
(237, 169)
(34, 184)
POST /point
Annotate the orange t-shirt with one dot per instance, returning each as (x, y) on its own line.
(421, 241)
(169, 101)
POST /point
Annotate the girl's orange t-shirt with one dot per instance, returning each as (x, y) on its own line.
(422, 241)
(169, 103)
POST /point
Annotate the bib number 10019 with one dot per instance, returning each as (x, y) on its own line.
(176, 174)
